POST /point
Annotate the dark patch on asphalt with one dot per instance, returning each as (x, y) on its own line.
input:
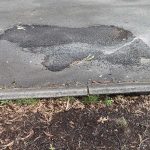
(63, 46)
(42, 35)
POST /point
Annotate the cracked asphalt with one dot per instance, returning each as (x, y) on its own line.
(74, 43)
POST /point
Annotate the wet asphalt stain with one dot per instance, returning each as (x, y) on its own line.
(62, 46)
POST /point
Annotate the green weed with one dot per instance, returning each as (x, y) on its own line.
(5, 102)
(26, 101)
(108, 101)
(90, 99)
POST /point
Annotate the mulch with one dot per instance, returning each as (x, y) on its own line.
(66, 124)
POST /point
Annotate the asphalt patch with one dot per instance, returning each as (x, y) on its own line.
(62, 46)
(43, 35)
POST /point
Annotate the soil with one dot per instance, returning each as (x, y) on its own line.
(69, 124)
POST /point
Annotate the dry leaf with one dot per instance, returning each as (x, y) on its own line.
(102, 119)
(28, 136)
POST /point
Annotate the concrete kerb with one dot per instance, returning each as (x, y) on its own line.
(120, 88)
(82, 91)
(41, 93)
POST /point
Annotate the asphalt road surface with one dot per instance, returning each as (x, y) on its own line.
(49, 43)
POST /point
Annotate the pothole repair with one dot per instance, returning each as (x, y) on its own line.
(62, 45)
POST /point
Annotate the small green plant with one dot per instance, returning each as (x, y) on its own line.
(90, 99)
(5, 102)
(30, 101)
(51, 147)
(108, 101)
